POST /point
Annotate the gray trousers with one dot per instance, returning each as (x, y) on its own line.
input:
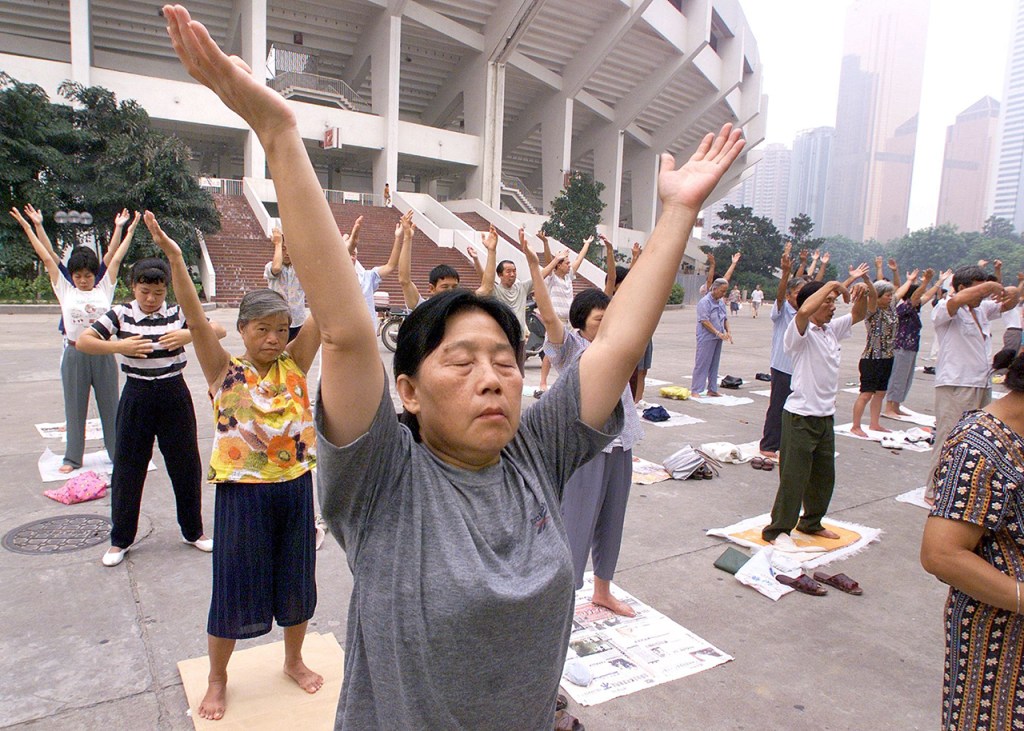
(1011, 338)
(79, 372)
(950, 404)
(593, 510)
(902, 376)
(705, 366)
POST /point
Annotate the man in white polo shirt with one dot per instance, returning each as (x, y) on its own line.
(961, 321)
(807, 469)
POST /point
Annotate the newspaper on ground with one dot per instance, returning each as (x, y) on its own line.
(56, 430)
(675, 419)
(722, 400)
(627, 654)
(647, 473)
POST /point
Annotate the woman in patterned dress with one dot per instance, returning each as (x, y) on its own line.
(974, 541)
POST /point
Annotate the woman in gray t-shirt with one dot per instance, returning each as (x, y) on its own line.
(462, 593)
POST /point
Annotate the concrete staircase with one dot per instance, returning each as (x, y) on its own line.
(240, 251)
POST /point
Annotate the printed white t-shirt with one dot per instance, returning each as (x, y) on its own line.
(81, 309)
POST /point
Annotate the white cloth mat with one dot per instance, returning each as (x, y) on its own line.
(49, 465)
(914, 497)
(675, 419)
(877, 436)
(913, 417)
(722, 400)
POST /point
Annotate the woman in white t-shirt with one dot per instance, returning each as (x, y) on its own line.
(82, 301)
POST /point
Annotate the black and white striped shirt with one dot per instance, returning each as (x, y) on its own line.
(126, 321)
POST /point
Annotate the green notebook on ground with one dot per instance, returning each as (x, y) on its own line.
(731, 561)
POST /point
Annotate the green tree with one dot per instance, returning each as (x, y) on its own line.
(998, 228)
(575, 213)
(96, 155)
(800, 229)
(755, 237)
(938, 247)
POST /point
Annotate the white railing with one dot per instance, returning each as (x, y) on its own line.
(298, 83)
(225, 186)
(263, 217)
(346, 196)
(207, 274)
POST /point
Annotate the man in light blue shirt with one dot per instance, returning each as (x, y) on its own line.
(783, 312)
(712, 331)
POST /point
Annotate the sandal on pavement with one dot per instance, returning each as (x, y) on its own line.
(839, 581)
(768, 465)
(565, 721)
(757, 463)
(804, 584)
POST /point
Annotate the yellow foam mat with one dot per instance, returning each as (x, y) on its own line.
(803, 540)
(260, 697)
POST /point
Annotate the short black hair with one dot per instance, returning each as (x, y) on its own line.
(584, 303)
(1012, 361)
(620, 274)
(423, 330)
(83, 258)
(502, 263)
(968, 275)
(443, 271)
(150, 271)
(807, 291)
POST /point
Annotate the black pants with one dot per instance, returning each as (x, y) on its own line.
(771, 437)
(160, 409)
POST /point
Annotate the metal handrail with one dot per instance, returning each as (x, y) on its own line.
(324, 86)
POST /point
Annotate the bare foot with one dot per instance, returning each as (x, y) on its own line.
(858, 432)
(770, 455)
(305, 678)
(880, 428)
(616, 605)
(66, 468)
(212, 706)
(825, 533)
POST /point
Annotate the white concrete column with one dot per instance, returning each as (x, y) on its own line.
(254, 53)
(385, 60)
(483, 101)
(643, 167)
(555, 147)
(81, 42)
(608, 170)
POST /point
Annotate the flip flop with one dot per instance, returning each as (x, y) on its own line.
(758, 463)
(565, 721)
(804, 584)
(839, 581)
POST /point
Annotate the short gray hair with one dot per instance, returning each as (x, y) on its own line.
(882, 288)
(795, 284)
(719, 282)
(261, 303)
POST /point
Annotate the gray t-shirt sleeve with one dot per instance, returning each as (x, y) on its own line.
(355, 481)
(554, 433)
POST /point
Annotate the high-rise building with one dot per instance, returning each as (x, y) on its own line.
(766, 191)
(876, 119)
(808, 175)
(1007, 194)
(966, 165)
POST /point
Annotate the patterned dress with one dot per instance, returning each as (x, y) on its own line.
(982, 482)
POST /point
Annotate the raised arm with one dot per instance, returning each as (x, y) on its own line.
(277, 260)
(858, 272)
(902, 289)
(554, 329)
(578, 261)
(45, 253)
(117, 255)
(633, 314)
(352, 378)
(548, 268)
(490, 241)
(396, 249)
(972, 296)
(410, 292)
(115, 238)
(732, 267)
(351, 239)
(212, 356)
(636, 251)
(923, 289)
(711, 272)
(820, 276)
(814, 264)
(802, 269)
(786, 265)
(609, 265)
(895, 269)
(547, 248)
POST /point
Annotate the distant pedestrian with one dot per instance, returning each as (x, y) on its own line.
(756, 298)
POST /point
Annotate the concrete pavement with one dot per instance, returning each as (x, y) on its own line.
(91, 647)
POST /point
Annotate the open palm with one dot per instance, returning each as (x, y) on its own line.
(691, 184)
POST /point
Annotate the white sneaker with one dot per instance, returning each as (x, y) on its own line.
(203, 544)
(113, 558)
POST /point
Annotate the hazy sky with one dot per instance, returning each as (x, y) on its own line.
(801, 42)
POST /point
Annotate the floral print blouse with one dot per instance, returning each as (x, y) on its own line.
(881, 325)
(264, 425)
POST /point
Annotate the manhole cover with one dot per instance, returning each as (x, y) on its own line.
(58, 535)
